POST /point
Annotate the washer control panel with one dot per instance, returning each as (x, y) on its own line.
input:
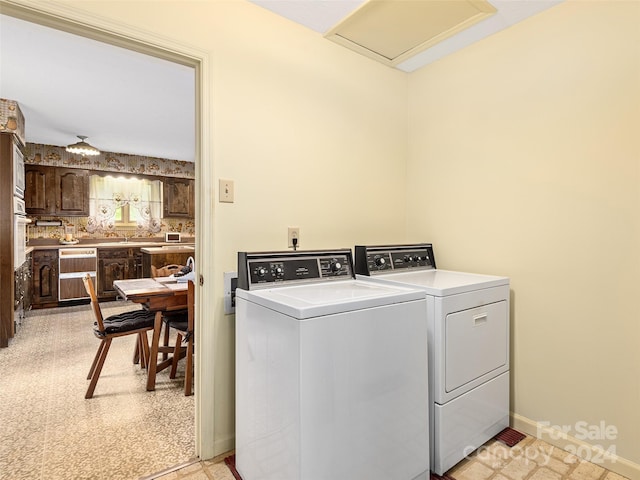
(385, 259)
(257, 270)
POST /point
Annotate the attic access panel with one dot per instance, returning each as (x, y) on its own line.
(391, 31)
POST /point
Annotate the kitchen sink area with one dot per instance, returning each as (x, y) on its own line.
(116, 259)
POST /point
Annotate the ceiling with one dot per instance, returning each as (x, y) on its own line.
(123, 101)
(128, 102)
(323, 16)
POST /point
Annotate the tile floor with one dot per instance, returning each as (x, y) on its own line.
(49, 430)
(530, 459)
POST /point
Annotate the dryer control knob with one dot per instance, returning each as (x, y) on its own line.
(336, 266)
(261, 271)
(278, 270)
(379, 261)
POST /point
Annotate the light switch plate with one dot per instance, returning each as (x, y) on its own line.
(225, 189)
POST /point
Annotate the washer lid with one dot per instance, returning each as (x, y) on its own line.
(440, 283)
(308, 301)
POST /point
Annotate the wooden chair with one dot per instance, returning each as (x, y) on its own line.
(106, 329)
(183, 324)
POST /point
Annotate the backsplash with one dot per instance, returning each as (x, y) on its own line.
(38, 154)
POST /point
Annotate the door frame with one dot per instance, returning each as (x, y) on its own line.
(80, 23)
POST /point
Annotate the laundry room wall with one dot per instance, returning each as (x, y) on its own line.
(312, 134)
(524, 160)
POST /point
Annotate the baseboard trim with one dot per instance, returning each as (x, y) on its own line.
(224, 445)
(578, 447)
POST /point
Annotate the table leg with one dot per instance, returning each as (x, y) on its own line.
(153, 357)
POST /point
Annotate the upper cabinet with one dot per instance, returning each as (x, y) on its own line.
(39, 193)
(179, 197)
(72, 192)
(56, 191)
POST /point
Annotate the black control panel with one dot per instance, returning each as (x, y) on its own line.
(379, 259)
(268, 269)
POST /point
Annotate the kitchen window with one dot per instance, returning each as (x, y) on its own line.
(124, 202)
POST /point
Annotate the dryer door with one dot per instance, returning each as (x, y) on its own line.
(476, 343)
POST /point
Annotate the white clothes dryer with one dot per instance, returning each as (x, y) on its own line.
(331, 372)
(468, 332)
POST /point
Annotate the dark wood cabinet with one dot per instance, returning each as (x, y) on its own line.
(179, 197)
(23, 290)
(116, 264)
(39, 194)
(56, 191)
(45, 278)
(72, 192)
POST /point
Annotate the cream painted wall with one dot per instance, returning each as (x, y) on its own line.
(313, 135)
(524, 160)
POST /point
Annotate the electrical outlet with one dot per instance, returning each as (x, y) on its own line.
(294, 232)
(225, 188)
(230, 284)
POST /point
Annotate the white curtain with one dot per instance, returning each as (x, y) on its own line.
(108, 194)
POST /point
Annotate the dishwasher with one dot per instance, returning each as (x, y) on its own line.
(74, 264)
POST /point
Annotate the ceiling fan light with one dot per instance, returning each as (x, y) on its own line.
(82, 148)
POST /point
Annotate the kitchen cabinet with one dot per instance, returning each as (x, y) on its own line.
(10, 182)
(72, 192)
(39, 195)
(178, 197)
(45, 278)
(56, 191)
(22, 291)
(116, 264)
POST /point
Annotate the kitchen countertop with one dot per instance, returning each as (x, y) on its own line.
(171, 248)
(105, 243)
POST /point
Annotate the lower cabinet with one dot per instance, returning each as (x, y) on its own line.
(116, 264)
(22, 300)
(45, 278)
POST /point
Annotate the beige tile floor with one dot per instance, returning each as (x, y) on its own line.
(530, 459)
(49, 431)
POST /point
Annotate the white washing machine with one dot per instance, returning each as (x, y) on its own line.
(468, 332)
(331, 372)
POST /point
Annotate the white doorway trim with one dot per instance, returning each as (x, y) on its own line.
(81, 23)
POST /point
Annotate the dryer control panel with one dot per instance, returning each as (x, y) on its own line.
(373, 260)
(270, 269)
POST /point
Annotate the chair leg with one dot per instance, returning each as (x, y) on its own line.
(166, 340)
(144, 347)
(95, 359)
(188, 376)
(103, 349)
(177, 354)
(153, 356)
(136, 352)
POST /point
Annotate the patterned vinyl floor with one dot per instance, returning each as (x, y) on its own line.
(49, 430)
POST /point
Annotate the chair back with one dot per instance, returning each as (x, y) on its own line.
(91, 291)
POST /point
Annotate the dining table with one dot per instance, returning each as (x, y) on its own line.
(159, 295)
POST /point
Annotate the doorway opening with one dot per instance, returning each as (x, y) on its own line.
(124, 37)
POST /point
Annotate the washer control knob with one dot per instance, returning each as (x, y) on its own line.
(336, 266)
(407, 259)
(380, 261)
(261, 271)
(278, 270)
